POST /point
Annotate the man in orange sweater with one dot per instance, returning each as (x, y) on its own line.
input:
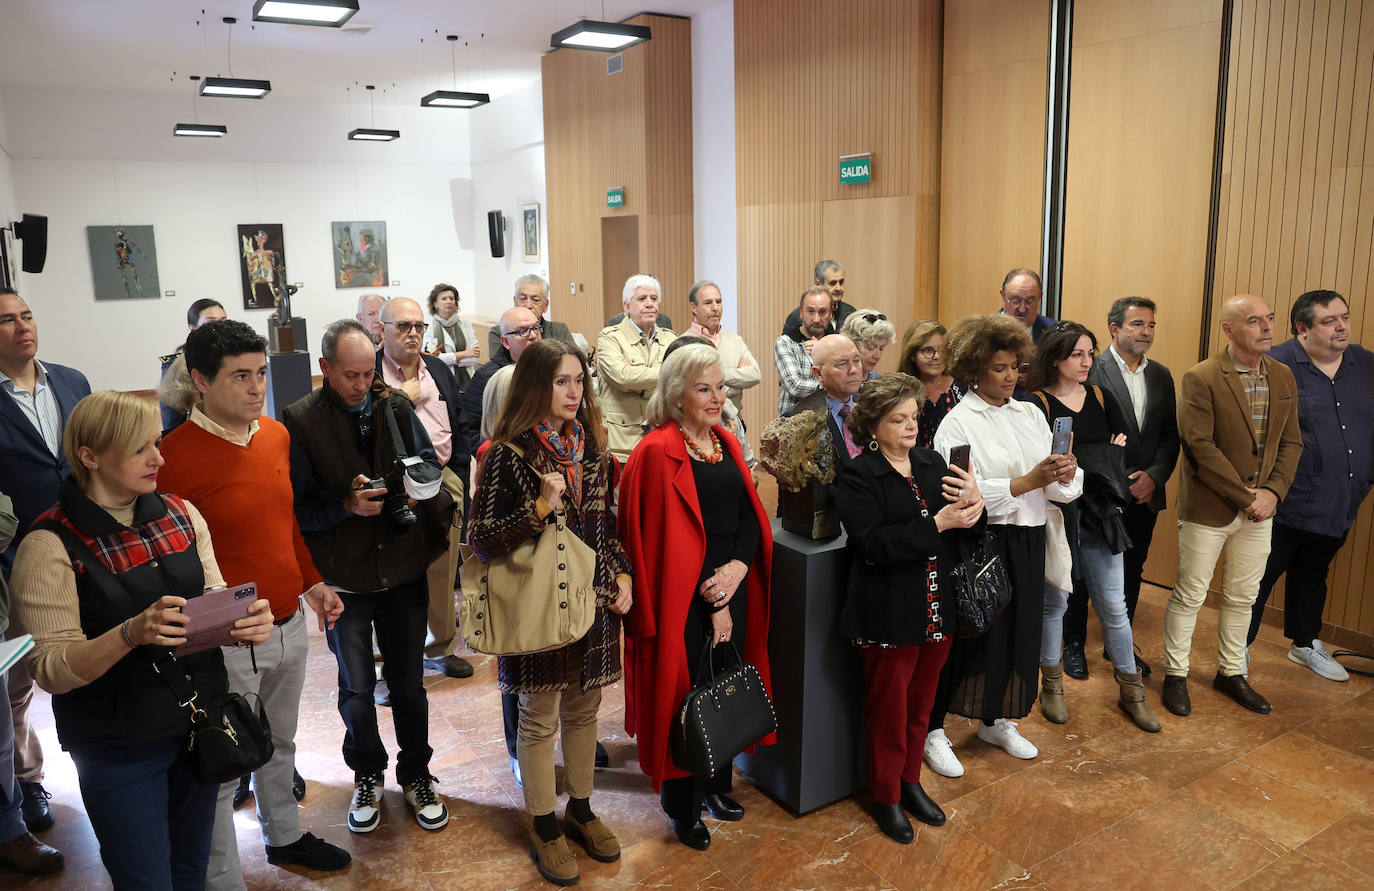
(234, 465)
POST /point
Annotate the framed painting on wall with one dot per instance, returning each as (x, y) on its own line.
(529, 215)
(360, 255)
(123, 262)
(262, 268)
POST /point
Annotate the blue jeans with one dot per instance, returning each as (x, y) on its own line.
(1104, 575)
(152, 816)
(11, 796)
(398, 615)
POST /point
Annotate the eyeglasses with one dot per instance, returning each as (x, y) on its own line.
(526, 332)
(929, 352)
(874, 317)
(407, 327)
(1021, 302)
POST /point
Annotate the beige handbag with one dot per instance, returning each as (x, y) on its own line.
(538, 597)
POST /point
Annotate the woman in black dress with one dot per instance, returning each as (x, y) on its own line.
(923, 357)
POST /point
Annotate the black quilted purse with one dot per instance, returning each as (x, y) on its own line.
(722, 716)
(981, 587)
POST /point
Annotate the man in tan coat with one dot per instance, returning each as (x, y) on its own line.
(628, 357)
(1238, 419)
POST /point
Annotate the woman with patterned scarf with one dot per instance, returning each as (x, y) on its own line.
(450, 337)
(548, 454)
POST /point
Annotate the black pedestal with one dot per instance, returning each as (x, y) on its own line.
(817, 681)
(288, 379)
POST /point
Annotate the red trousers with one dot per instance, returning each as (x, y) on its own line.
(899, 689)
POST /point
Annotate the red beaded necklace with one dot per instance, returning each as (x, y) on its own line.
(717, 454)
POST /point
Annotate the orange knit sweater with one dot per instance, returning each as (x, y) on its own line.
(244, 493)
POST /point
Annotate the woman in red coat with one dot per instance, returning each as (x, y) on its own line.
(701, 547)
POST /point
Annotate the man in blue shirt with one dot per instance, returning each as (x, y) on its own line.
(1336, 415)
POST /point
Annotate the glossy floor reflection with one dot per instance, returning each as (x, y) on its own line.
(1221, 799)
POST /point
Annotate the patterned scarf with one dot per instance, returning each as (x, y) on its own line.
(566, 448)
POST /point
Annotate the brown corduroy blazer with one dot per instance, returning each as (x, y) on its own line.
(1219, 449)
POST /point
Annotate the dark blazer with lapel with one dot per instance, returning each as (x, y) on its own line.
(1219, 449)
(890, 541)
(452, 399)
(1154, 446)
(816, 402)
(29, 473)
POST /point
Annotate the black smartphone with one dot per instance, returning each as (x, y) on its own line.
(959, 457)
(1063, 436)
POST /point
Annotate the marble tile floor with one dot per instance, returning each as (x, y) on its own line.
(1221, 799)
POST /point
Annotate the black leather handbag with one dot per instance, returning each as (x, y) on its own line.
(722, 716)
(981, 587)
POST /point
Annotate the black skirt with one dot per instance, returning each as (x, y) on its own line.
(998, 675)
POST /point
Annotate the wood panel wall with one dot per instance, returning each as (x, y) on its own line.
(992, 148)
(814, 81)
(1297, 208)
(632, 129)
(1142, 114)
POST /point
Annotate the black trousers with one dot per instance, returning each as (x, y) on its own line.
(1306, 558)
(683, 797)
(1140, 526)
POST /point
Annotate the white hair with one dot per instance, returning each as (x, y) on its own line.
(362, 302)
(494, 399)
(860, 330)
(637, 281)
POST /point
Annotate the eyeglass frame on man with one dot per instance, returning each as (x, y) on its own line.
(406, 327)
(524, 333)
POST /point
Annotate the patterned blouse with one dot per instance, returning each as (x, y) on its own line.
(933, 412)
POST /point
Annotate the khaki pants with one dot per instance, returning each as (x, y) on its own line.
(1246, 546)
(28, 754)
(541, 715)
(443, 614)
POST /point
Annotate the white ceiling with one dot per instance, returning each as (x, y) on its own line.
(151, 46)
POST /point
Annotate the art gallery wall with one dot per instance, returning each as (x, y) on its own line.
(507, 139)
(86, 160)
(8, 210)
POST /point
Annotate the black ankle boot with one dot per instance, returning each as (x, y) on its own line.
(723, 807)
(915, 800)
(693, 835)
(893, 822)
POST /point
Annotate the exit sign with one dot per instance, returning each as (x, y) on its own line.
(615, 197)
(856, 168)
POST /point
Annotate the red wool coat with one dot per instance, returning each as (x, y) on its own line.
(661, 528)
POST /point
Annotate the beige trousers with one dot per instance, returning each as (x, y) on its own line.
(541, 715)
(28, 753)
(443, 614)
(1246, 546)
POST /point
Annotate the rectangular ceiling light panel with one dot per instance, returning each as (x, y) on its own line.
(454, 99)
(200, 130)
(603, 36)
(235, 87)
(367, 134)
(327, 13)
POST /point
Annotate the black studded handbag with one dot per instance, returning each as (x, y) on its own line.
(726, 713)
(981, 587)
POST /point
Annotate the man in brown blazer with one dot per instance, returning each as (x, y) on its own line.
(1238, 419)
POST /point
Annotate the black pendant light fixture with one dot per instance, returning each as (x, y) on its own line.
(372, 134)
(197, 128)
(607, 37)
(324, 13)
(234, 87)
(454, 98)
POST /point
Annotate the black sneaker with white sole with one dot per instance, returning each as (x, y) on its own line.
(365, 808)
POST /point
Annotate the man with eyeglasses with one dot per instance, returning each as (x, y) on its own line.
(519, 327)
(839, 370)
(432, 389)
(1021, 294)
(532, 293)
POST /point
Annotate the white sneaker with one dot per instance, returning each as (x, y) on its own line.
(1003, 735)
(365, 808)
(1319, 660)
(940, 755)
(430, 811)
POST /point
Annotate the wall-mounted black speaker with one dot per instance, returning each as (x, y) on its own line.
(33, 231)
(496, 232)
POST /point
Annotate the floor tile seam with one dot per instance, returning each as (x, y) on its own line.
(1348, 867)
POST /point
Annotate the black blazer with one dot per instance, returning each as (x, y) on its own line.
(452, 399)
(1152, 447)
(816, 402)
(889, 542)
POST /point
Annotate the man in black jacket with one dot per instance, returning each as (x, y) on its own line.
(840, 371)
(1145, 391)
(341, 438)
(431, 388)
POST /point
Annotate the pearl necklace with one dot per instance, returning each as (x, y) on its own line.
(717, 454)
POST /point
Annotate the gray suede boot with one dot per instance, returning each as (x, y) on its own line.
(1052, 704)
(1132, 701)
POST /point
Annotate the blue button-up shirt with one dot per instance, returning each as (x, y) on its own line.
(1336, 416)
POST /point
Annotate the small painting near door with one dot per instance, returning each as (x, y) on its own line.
(529, 213)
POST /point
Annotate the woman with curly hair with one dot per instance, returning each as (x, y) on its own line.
(994, 678)
(449, 337)
(904, 511)
(872, 333)
(923, 357)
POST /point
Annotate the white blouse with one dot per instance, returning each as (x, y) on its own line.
(1005, 442)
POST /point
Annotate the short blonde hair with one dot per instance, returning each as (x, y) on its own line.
(679, 370)
(494, 399)
(108, 421)
(867, 327)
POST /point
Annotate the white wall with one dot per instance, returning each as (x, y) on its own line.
(507, 139)
(281, 164)
(713, 153)
(8, 210)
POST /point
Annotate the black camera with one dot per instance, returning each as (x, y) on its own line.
(395, 503)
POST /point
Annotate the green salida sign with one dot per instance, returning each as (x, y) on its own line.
(856, 168)
(615, 196)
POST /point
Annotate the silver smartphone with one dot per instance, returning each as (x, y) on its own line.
(1063, 436)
